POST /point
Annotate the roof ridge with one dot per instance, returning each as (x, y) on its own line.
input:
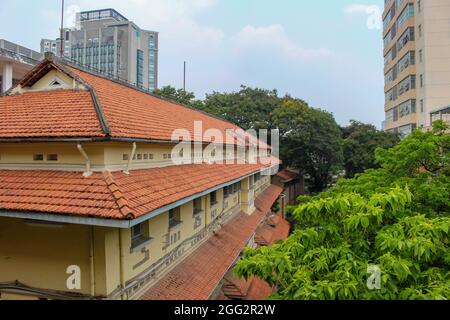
(119, 198)
(59, 65)
(97, 105)
(133, 87)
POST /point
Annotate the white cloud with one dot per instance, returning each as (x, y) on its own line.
(174, 19)
(274, 37)
(358, 8)
(373, 12)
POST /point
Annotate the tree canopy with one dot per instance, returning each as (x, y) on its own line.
(311, 140)
(360, 141)
(396, 217)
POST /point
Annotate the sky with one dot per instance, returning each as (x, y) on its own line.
(326, 52)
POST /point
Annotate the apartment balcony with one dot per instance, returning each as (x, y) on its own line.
(440, 114)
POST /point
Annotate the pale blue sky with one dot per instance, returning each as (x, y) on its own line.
(321, 51)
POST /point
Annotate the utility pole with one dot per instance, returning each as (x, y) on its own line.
(61, 50)
(184, 77)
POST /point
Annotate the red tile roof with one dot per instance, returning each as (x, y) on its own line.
(275, 229)
(287, 175)
(49, 114)
(198, 275)
(259, 290)
(107, 108)
(112, 195)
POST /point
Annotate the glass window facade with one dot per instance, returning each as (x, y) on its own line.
(406, 13)
(140, 69)
(152, 63)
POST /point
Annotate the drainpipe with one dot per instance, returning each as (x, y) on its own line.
(133, 153)
(121, 257)
(88, 171)
(91, 258)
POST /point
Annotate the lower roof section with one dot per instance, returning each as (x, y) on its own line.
(197, 277)
(115, 197)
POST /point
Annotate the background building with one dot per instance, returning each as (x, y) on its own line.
(15, 62)
(107, 42)
(417, 62)
(48, 45)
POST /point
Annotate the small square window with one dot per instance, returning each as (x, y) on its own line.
(38, 157)
(139, 156)
(145, 156)
(126, 157)
(52, 157)
(151, 156)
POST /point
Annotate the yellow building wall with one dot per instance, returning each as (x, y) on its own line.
(45, 81)
(39, 255)
(68, 154)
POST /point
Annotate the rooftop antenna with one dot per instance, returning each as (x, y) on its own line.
(184, 77)
(61, 50)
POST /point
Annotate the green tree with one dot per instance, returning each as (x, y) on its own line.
(310, 141)
(250, 108)
(179, 95)
(396, 217)
(359, 145)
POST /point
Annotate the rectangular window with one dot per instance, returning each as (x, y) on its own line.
(390, 115)
(226, 192)
(198, 208)
(407, 36)
(139, 235)
(174, 218)
(421, 81)
(420, 55)
(407, 108)
(407, 13)
(421, 106)
(52, 157)
(213, 198)
(407, 60)
(409, 83)
(136, 232)
(38, 157)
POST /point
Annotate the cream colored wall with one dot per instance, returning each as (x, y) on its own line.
(45, 81)
(247, 196)
(39, 255)
(68, 154)
(114, 155)
(435, 43)
(403, 121)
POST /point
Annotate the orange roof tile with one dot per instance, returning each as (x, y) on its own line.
(106, 109)
(288, 175)
(112, 195)
(55, 113)
(198, 275)
(259, 290)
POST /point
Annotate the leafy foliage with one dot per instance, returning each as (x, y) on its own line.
(179, 95)
(310, 141)
(396, 217)
(359, 145)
